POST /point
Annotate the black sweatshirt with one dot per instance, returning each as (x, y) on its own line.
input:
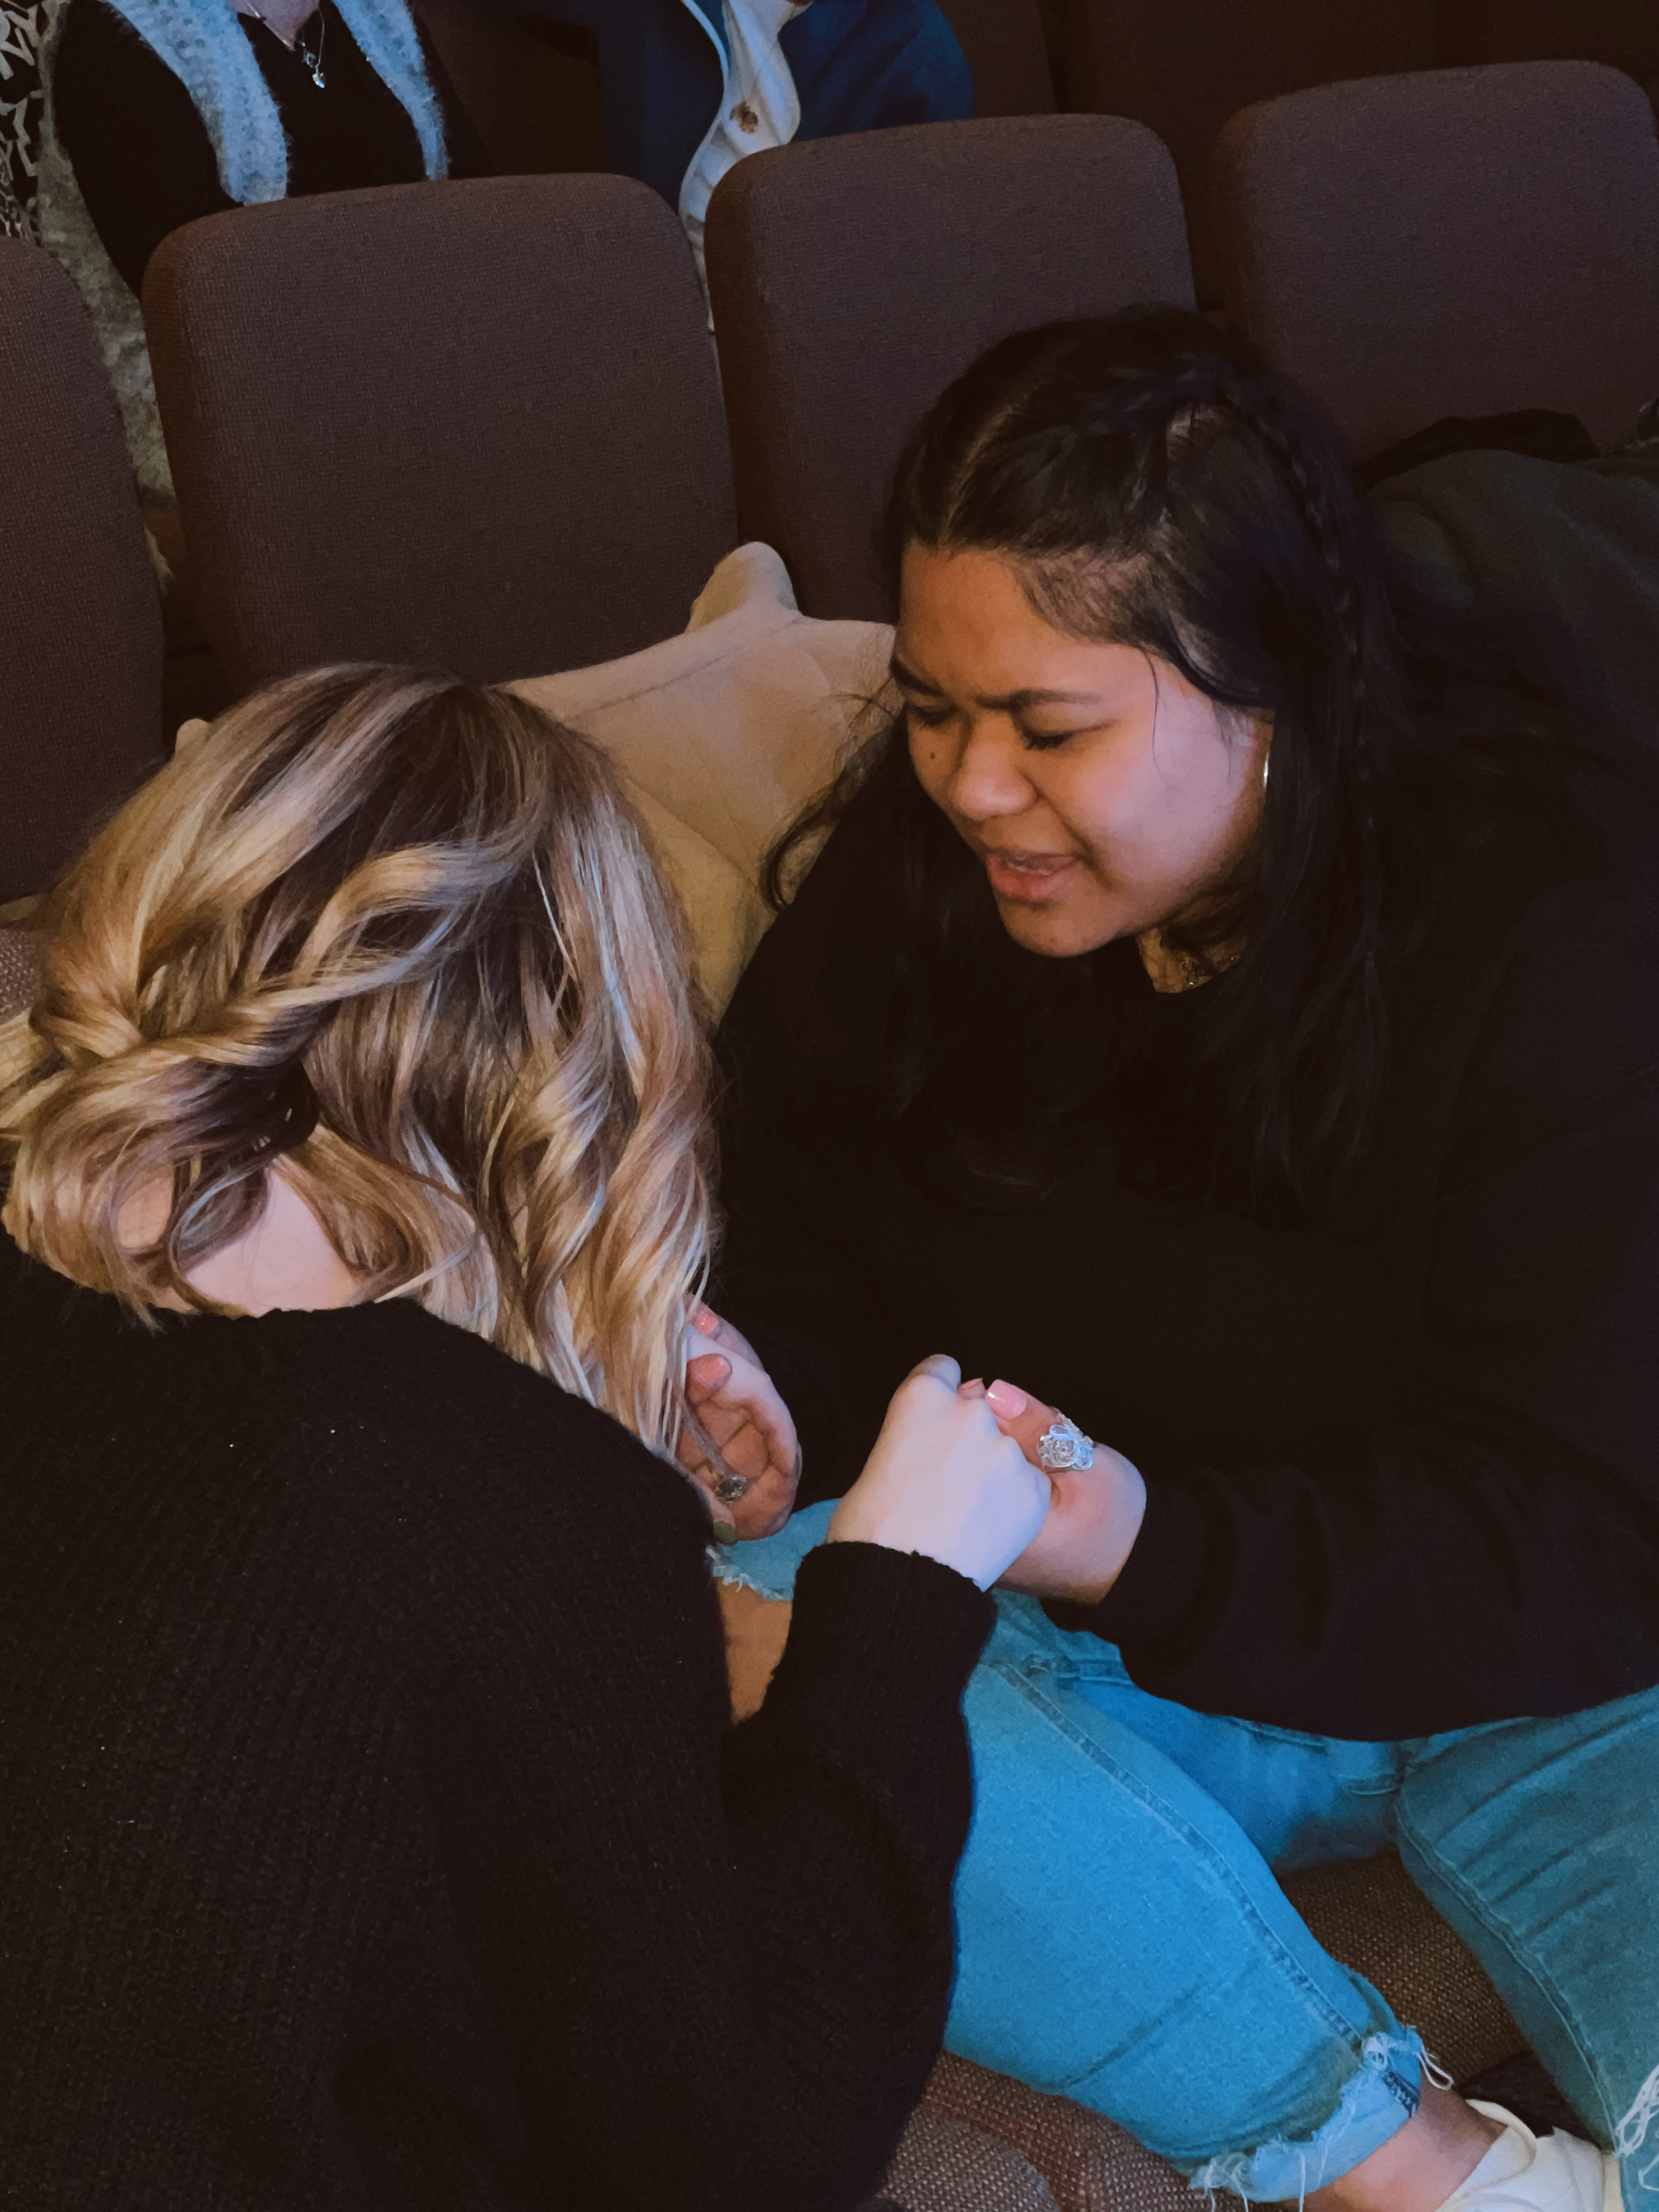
(373, 1830)
(142, 154)
(1403, 1466)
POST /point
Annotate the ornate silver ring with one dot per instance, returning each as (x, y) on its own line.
(1064, 1445)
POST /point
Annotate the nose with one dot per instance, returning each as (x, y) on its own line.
(988, 781)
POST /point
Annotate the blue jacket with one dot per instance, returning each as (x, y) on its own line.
(857, 65)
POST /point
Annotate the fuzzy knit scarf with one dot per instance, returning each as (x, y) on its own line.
(204, 45)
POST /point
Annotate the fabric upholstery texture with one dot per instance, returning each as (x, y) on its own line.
(722, 735)
(81, 656)
(1184, 66)
(474, 424)
(20, 971)
(1090, 2164)
(852, 278)
(1461, 242)
(945, 2164)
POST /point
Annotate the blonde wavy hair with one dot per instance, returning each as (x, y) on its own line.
(406, 936)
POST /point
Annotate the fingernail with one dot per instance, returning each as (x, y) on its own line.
(725, 1532)
(1008, 1402)
(703, 1320)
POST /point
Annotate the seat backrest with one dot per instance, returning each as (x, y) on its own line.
(1007, 52)
(471, 424)
(853, 278)
(80, 650)
(1459, 242)
(1184, 66)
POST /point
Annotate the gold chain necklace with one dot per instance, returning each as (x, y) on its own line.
(1195, 971)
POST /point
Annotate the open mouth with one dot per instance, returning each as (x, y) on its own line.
(1029, 878)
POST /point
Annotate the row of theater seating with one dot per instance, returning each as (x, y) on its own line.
(481, 423)
(1182, 67)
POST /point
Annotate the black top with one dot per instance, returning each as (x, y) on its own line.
(144, 162)
(1402, 1468)
(372, 1827)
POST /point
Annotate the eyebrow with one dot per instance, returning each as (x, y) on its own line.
(999, 702)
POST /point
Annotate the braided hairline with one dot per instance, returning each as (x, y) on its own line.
(1154, 403)
(1136, 409)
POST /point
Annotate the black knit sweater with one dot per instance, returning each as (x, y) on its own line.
(372, 1828)
(1402, 1463)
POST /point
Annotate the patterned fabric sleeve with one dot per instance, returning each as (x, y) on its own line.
(22, 29)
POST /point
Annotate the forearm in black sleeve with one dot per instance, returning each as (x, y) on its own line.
(721, 1956)
(790, 1273)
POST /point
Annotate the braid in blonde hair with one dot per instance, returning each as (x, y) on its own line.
(405, 937)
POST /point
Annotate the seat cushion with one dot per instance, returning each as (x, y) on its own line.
(723, 734)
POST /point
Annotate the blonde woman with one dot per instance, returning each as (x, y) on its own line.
(373, 1827)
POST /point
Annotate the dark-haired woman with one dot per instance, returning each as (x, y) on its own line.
(1228, 1004)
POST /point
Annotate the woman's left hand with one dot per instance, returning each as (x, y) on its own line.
(747, 1422)
(1079, 1550)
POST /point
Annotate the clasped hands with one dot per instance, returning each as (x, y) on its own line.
(942, 1478)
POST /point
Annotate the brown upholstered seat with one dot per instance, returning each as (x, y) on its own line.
(472, 423)
(80, 647)
(1184, 66)
(853, 278)
(1461, 242)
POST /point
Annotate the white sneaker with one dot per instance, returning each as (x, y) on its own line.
(1563, 2173)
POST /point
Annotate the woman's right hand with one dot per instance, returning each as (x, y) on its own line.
(944, 1481)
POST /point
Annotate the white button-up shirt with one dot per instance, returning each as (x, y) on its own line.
(760, 107)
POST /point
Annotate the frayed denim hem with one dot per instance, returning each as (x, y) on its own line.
(1631, 2141)
(1379, 2099)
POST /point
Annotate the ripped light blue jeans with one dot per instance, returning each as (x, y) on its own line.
(1121, 1939)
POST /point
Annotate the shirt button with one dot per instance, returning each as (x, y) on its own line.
(744, 117)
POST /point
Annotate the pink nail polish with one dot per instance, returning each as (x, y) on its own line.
(1007, 1401)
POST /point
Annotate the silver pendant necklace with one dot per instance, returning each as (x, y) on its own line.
(313, 62)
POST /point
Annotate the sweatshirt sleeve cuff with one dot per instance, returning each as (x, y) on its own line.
(880, 1616)
(1161, 1580)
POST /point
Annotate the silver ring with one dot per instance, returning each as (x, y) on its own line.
(1064, 1445)
(728, 1488)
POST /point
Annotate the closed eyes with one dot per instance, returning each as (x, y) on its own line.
(1036, 741)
